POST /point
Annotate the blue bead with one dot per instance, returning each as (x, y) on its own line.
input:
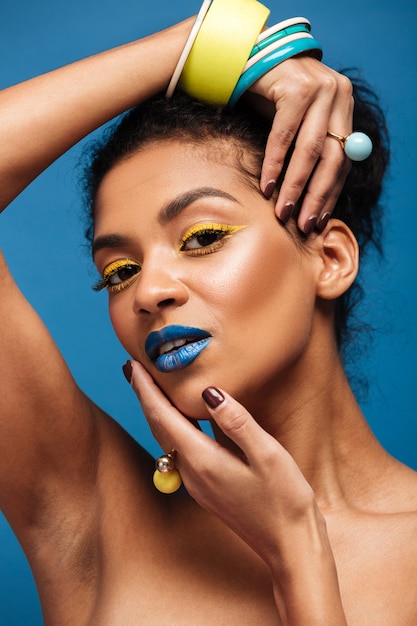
(358, 146)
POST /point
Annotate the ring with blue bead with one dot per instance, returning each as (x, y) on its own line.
(357, 146)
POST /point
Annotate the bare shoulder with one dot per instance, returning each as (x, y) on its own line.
(375, 546)
(400, 488)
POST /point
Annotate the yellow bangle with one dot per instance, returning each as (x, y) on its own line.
(221, 49)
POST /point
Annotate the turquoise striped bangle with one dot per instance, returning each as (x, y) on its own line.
(299, 28)
(270, 61)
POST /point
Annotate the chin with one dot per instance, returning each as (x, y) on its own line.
(185, 395)
(194, 407)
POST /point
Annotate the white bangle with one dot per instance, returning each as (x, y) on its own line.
(187, 48)
(294, 21)
(274, 46)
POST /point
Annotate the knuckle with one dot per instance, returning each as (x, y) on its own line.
(298, 86)
(274, 164)
(296, 187)
(152, 415)
(157, 423)
(345, 85)
(235, 422)
(303, 87)
(330, 83)
(284, 137)
(314, 148)
(270, 457)
(317, 197)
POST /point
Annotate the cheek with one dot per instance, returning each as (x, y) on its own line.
(123, 323)
(264, 282)
(266, 301)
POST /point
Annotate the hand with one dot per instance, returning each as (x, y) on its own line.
(259, 492)
(309, 99)
(257, 489)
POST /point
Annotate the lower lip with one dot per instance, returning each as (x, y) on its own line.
(182, 357)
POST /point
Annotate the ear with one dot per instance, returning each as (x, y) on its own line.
(339, 253)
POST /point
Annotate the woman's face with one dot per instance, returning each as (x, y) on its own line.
(205, 286)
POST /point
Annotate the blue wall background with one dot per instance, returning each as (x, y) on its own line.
(41, 233)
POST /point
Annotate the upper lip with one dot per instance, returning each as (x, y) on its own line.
(160, 341)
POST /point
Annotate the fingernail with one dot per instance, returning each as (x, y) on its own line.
(269, 188)
(127, 371)
(286, 212)
(323, 222)
(213, 397)
(309, 225)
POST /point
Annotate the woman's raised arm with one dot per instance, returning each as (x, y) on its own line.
(50, 433)
(43, 117)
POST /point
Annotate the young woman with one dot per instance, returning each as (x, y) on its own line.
(277, 523)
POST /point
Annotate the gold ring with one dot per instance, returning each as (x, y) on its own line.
(357, 146)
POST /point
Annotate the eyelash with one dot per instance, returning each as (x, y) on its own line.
(201, 230)
(112, 270)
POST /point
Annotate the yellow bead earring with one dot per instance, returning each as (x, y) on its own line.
(166, 477)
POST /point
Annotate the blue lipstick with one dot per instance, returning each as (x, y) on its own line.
(175, 347)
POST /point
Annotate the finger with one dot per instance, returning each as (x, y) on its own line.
(239, 426)
(323, 198)
(168, 425)
(307, 152)
(325, 185)
(312, 148)
(285, 125)
(314, 89)
(323, 188)
(199, 457)
(327, 180)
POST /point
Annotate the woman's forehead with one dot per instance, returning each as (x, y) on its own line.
(161, 172)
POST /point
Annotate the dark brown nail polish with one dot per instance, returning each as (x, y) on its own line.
(323, 222)
(286, 212)
(269, 189)
(213, 397)
(127, 371)
(310, 225)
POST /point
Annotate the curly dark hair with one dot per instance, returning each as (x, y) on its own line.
(243, 134)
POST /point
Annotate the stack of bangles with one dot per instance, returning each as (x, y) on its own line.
(228, 50)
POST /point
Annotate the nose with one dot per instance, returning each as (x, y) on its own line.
(156, 288)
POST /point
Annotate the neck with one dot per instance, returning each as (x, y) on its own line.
(323, 428)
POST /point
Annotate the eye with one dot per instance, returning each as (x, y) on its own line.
(118, 275)
(203, 239)
(206, 238)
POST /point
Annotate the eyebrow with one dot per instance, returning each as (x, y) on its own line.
(166, 214)
(108, 241)
(181, 202)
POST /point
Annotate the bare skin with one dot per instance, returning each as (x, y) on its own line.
(135, 556)
(320, 545)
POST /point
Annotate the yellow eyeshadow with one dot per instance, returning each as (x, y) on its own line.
(227, 229)
(116, 265)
